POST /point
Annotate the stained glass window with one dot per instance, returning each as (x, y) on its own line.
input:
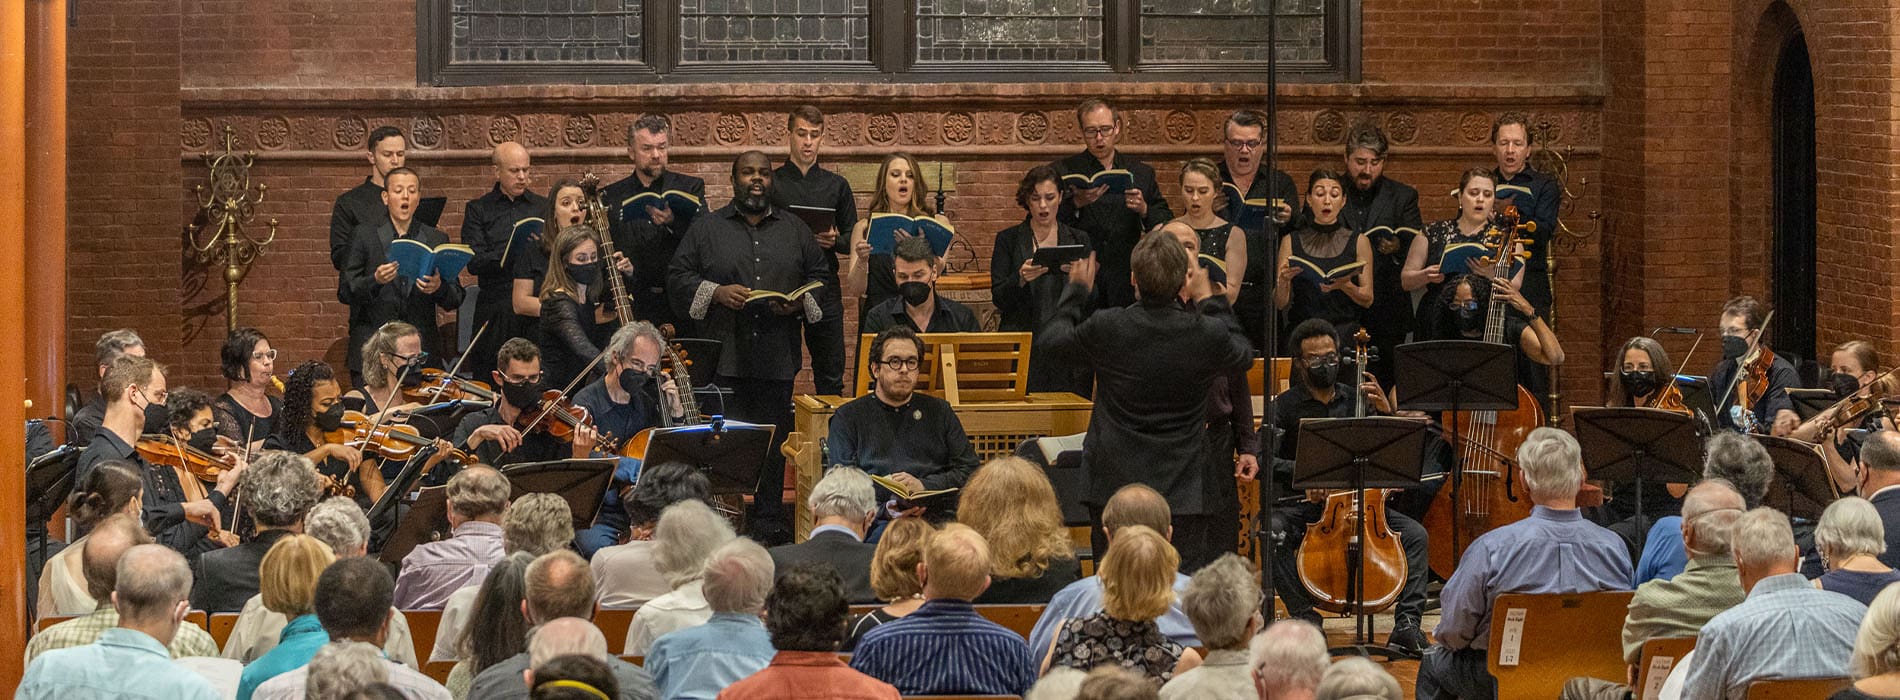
(1009, 30)
(543, 31)
(1230, 31)
(774, 31)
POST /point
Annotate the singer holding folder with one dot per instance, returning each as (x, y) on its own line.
(1024, 289)
(372, 283)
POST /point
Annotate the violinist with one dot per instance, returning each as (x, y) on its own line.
(1645, 379)
(391, 355)
(494, 435)
(1856, 374)
(1762, 391)
(624, 402)
(135, 405)
(111, 346)
(574, 321)
(1319, 393)
(246, 412)
(313, 410)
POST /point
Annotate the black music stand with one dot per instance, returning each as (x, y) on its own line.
(1811, 402)
(1457, 375)
(581, 482)
(730, 453)
(1638, 444)
(426, 520)
(49, 480)
(1357, 454)
(1802, 486)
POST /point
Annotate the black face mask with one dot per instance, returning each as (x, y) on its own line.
(1637, 382)
(635, 382)
(1469, 320)
(521, 395)
(203, 440)
(411, 374)
(331, 419)
(584, 274)
(914, 293)
(1320, 376)
(1843, 384)
(157, 418)
(1733, 347)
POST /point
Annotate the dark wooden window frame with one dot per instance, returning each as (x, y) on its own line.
(893, 45)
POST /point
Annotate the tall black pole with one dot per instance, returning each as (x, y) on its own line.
(1270, 442)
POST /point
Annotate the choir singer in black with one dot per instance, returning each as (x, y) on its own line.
(915, 439)
(488, 227)
(1115, 214)
(373, 286)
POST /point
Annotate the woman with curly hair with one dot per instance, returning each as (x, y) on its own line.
(313, 406)
(1011, 503)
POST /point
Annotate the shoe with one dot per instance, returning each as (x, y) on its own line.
(1408, 640)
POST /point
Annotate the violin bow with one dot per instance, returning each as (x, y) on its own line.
(435, 393)
(1741, 368)
(548, 407)
(395, 389)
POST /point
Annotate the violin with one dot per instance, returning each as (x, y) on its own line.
(1668, 398)
(439, 385)
(1323, 562)
(1853, 409)
(556, 415)
(1751, 382)
(168, 451)
(390, 441)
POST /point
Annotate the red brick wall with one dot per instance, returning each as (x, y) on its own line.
(1551, 42)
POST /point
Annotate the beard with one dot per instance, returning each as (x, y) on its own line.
(755, 204)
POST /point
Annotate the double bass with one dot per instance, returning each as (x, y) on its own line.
(597, 218)
(1489, 494)
(1323, 559)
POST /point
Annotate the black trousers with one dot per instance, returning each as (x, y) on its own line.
(1455, 675)
(495, 318)
(765, 402)
(824, 340)
(1412, 537)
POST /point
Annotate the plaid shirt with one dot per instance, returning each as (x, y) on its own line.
(1786, 628)
(80, 631)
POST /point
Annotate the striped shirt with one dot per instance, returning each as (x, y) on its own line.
(1786, 628)
(946, 648)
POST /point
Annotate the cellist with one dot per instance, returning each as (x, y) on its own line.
(627, 400)
(1762, 390)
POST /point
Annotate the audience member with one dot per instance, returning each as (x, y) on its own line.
(559, 585)
(287, 582)
(686, 535)
(1223, 600)
(345, 667)
(376, 691)
(1288, 660)
(1110, 682)
(894, 576)
(626, 573)
(1880, 473)
(697, 662)
(352, 603)
(1134, 504)
(128, 660)
(1737, 459)
(477, 496)
(1137, 586)
(1010, 502)
(340, 523)
(1058, 684)
(967, 654)
(572, 677)
(805, 614)
(112, 487)
(1876, 661)
(535, 525)
(223, 674)
(843, 506)
(1553, 551)
(1680, 606)
(104, 548)
(1785, 629)
(277, 490)
(1358, 678)
(1851, 538)
(501, 624)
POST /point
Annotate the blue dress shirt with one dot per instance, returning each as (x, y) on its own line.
(1786, 628)
(697, 662)
(1084, 598)
(1553, 551)
(122, 664)
(946, 648)
(296, 646)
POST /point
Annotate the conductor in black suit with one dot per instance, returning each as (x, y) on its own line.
(372, 285)
(843, 504)
(277, 490)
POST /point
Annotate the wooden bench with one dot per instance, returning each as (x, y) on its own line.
(221, 626)
(1796, 689)
(1660, 656)
(423, 627)
(437, 670)
(613, 624)
(51, 620)
(1562, 636)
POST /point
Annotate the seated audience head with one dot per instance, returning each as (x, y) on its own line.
(113, 487)
(565, 636)
(394, 345)
(352, 600)
(956, 564)
(1060, 683)
(1742, 462)
(1552, 464)
(376, 691)
(1159, 268)
(1315, 346)
(898, 356)
(477, 493)
(1358, 678)
(738, 577)
(340, 523)
(1288, 659)
(662, 485)
(1849, 527)
(1111, 682)
(116, 344)
(687, 534)
(844, 497)
(1879, 461)
(806, 610)
(345, 667)
(1764, 546)
(1138, 575)
(1709, 512)
(895, 561)
(279, 489)
(104, 547)
(153, 590)
(1137, 504)
(560, 584)
(287, 576)
(572, 677)
(1877, 648)
(537, 524)
(1010, 502)
(498, 623)
(1223, 602)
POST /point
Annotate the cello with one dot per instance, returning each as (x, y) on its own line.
(1489, 494)
(1324, 552)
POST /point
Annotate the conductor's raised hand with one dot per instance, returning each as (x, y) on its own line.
(1082, 272)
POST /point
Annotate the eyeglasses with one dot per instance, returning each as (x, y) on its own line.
(1331, 358)
(418, 357)
(1240, 145)
(902, 364)
(157, 397)
(1098, 131)
(264, 355)
(530, 379)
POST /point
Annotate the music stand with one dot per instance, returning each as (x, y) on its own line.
(1357, 454)
(581, 482)
(1697, 396)
(49, 477)
(427, 520)
(730, 453)
(1637, 444)
(1456, 375)
(1810, 402)
(1802, 485)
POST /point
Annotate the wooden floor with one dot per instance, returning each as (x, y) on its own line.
(1339, 634)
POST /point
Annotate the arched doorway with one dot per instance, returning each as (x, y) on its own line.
(1792, 123)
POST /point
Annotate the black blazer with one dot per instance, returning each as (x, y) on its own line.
(225, 578)
(1888, 505)
(372, 304)
(851, 558)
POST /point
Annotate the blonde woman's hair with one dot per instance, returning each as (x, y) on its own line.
(380, 342)
(894, 565)
(287, 576)
(1138, 574)
(1877, 647)
(1011, 503)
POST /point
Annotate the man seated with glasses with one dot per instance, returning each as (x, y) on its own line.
(910, 438)
(496, 436)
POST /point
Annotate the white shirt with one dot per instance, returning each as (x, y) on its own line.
(684, 607)
(257, 630)
(222, 673)
(454, 618)
(412, 683)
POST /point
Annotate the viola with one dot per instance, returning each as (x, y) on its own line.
(439, 386)
(390, 440)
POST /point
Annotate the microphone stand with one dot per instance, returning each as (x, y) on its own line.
(1268, 540)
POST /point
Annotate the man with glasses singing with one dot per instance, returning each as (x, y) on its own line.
(1257, 206)
(1116, 208)
(911, 438)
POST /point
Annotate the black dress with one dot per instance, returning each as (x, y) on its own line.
(1307, 301)
(237, 423)
(1026, 307)
(1087, 642)
(571, 338)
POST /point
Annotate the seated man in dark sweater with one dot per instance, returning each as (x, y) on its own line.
(911, 438)
(917, 305)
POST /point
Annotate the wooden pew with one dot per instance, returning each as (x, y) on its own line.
(436, 670)
(614, 623)
(51, 620)
(1562, 636)
(221, 626)
(423, 627)
(1660, 656)
(1796, 689)
(1020, 619)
